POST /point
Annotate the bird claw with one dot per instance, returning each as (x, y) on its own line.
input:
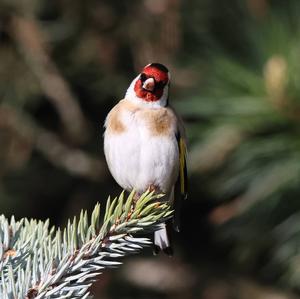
(154, 188)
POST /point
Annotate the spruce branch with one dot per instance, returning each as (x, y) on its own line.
(50, 263)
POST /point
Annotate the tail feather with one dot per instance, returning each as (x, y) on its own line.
(162, 240)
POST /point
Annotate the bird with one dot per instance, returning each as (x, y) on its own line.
(145, 145)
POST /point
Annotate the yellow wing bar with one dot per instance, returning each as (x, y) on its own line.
(183, 168)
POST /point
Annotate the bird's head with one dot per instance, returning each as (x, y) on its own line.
(151, 86)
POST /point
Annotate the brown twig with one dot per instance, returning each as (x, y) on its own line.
(30, 40)
(75, 161)
(161, 20)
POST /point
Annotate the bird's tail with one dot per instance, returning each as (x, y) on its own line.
(162, 241)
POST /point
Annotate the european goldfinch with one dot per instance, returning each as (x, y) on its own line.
(144, 144)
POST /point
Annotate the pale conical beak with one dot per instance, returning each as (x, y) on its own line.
(149, 84)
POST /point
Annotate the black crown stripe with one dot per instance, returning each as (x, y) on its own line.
(160, 67)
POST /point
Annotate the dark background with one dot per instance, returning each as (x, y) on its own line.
(236, 82)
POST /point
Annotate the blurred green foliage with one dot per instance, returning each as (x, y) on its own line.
(250, 146)
(235, 81)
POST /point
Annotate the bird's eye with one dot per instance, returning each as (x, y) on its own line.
(143, 77)
(160, 85)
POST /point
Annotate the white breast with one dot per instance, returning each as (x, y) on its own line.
(137, 159)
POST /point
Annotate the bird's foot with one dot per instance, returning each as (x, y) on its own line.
(136, 197)
(154, 188)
